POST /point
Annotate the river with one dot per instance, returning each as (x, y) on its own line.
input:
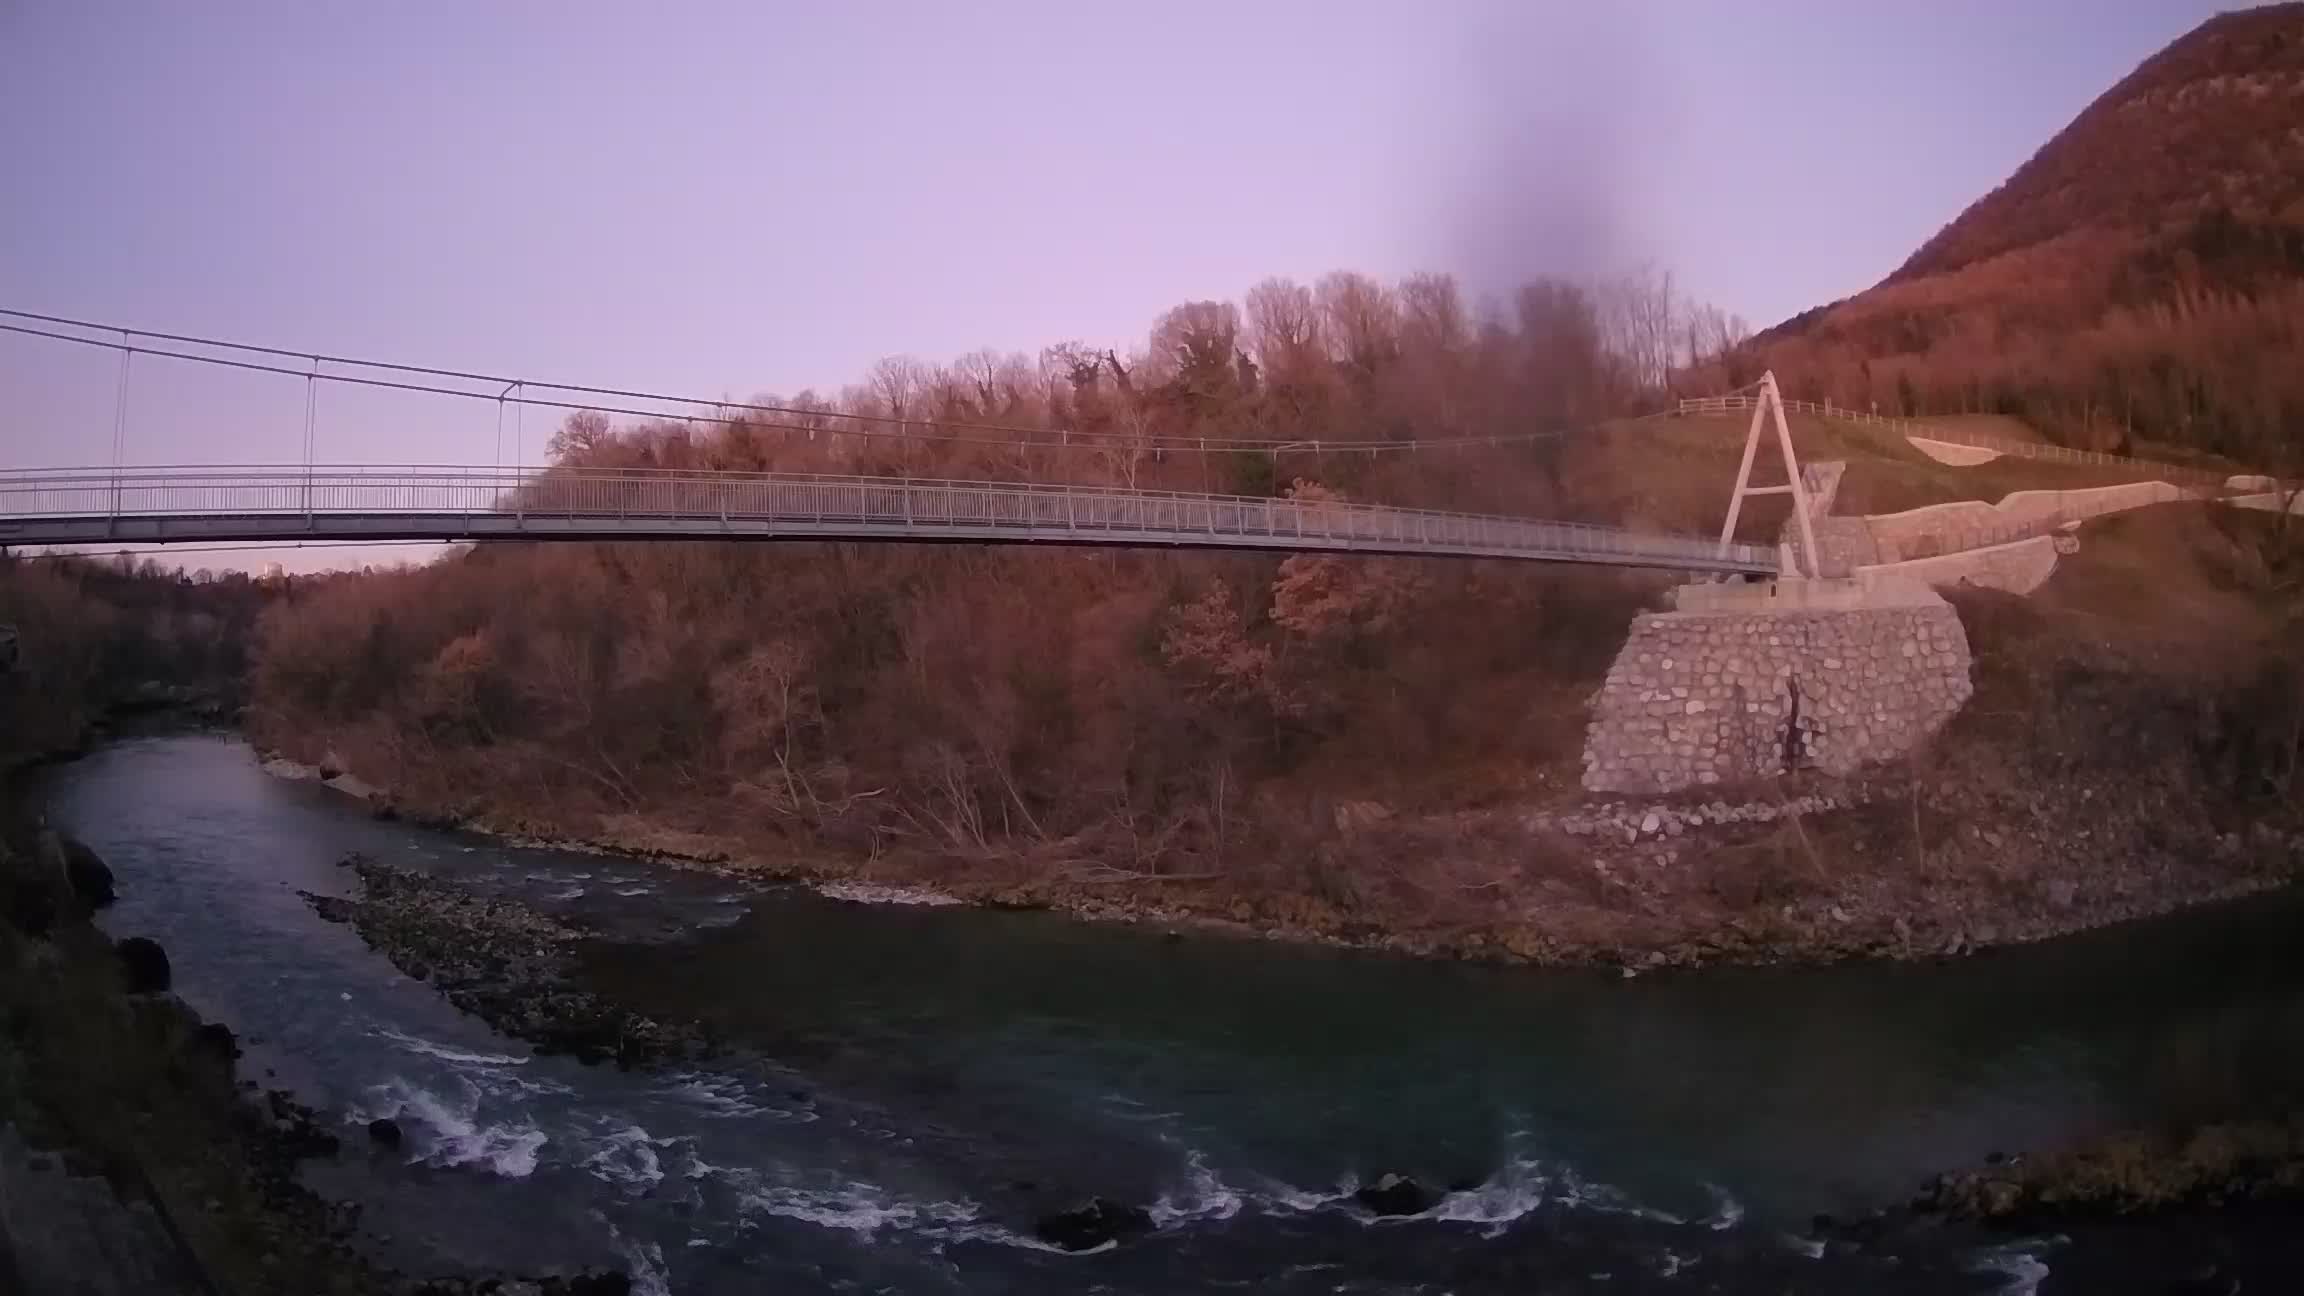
(919, 1083)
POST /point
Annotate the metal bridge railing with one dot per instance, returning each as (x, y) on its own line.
(35, 507)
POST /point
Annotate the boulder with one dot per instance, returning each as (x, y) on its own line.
(214, 1042)
(1091, 1225)
(384, 1132)
(87, 873)
(144, 965)
(1394, 1194)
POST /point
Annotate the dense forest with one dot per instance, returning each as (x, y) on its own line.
(95, 634)
(1099, 713)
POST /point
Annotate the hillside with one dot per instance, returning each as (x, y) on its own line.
(2212, 124)
(2141, 278)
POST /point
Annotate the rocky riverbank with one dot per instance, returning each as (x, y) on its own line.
(134, 1159)
(2208, 1211)
(502, 962)
(2141, 1170)
(1926, 861)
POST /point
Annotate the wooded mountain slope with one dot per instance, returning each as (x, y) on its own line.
(2140, 278)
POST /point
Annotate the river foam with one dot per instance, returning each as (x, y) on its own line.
(1727, 1212)
(1204, 1196)
(447, 1053)
(627, 1158)
(1517, 1188)
(856, 1207)
(446, 1130)
(1521, 1185)
(726, 1097)
(2019, 1260)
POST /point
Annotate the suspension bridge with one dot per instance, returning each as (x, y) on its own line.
(123, 504)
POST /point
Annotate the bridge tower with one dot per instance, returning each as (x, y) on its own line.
(1769, 406)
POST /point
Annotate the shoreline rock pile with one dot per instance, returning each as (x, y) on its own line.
(502, 962)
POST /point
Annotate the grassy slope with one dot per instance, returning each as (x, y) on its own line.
(1676, 473)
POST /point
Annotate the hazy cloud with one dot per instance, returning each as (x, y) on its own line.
(1550, 103)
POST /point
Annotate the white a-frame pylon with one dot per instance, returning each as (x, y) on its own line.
(1770, 403)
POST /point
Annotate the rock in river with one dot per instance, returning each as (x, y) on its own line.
(87, 872)
(144, 964)
(1099, 1221)
(1397, 1195)
(214, 1043)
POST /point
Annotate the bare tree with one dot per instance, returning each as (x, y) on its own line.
(1432, 314)
(1361, 322)
(895, 392)
(1640, 310)
(1283, 327)
(1436, 345)
(1128, 445)
(1195, 347)
(1707, 334)
(581, 436)
(1198, 336)
(899, 385)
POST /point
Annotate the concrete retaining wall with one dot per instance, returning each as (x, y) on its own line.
(2019, 567)
(2271, 501)
(1844, 542)
(1966, 524)
(1726, 694)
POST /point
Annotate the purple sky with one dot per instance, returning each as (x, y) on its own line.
(734, 198)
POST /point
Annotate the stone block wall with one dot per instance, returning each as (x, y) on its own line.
(1698, 698)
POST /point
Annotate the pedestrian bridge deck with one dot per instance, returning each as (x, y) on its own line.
(183, 504)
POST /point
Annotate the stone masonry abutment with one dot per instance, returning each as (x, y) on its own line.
(1750, 681)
